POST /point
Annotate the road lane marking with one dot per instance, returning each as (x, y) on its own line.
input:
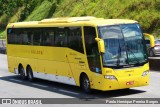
(39, 85)
(16, 80)
(68, 92)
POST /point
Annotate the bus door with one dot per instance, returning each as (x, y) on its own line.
(92, 52)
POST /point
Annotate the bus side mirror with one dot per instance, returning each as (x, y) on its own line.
(100, 45)
(151, 37)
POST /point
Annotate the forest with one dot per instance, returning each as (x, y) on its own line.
(146, 12)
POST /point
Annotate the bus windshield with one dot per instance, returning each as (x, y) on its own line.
(124, 45)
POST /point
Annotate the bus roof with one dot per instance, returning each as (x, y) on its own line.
(72, 21)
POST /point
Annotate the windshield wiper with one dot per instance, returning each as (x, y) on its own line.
(129, 50)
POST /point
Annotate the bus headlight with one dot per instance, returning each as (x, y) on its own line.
(111, 77)
(145, 73)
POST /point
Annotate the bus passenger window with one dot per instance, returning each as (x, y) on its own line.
(18, 36)
(30, 37)
(37, 37)
(48, 37)
(24, 37)
(61, 37)
(75, 39)
(11, 36)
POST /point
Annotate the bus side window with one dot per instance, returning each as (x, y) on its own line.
(48, 37)
(61, 37)
(11, 36)
(30, 37)
(75, 39)
(18, 36)
(24, 36)
(37, 35)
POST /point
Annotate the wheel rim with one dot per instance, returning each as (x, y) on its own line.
(86, 84)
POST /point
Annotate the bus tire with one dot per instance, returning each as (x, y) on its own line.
(22, 72)
(30, 74)
(85, 84)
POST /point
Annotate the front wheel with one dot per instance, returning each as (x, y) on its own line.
(85, 84)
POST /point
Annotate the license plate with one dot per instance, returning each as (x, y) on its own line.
(130, 83)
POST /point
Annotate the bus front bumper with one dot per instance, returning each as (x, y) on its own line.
(124, 83)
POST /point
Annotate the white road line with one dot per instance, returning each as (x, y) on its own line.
(16, 80)
(68, 91)
(39, 85)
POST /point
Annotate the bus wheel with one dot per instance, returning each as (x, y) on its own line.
(30, 74)
(22, 72)
(85, 84)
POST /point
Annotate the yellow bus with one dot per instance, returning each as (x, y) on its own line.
(90, 52)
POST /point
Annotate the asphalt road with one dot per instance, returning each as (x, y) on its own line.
(13, 87)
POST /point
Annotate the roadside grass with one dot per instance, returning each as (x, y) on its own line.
(42, 11)
(2, 34)
(146, 12)
(16, 17)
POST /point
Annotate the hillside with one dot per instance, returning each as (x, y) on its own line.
(147, 12)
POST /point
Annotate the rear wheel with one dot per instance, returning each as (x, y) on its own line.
(22, 72)
(30, 74)
(85, 84)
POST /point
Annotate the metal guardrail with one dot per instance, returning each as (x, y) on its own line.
(3, 46)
